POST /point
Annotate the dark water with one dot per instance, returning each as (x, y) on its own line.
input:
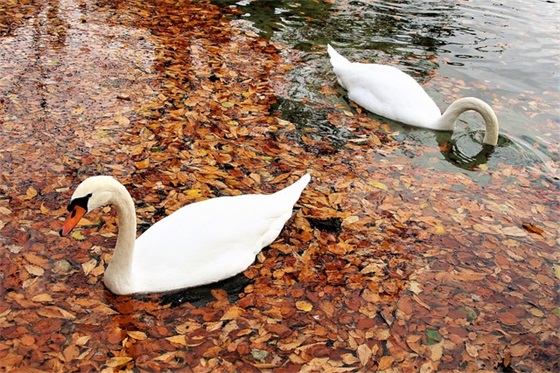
(506, 53)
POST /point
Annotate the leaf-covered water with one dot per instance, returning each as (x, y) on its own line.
(389, 263)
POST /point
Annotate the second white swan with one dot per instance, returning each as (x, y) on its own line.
(391, 93)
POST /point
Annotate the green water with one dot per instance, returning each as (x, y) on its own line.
(504, 53)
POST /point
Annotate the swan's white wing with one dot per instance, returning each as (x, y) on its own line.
(389, 92)
(211, 240)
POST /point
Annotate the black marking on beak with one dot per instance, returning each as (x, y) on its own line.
(81, 201)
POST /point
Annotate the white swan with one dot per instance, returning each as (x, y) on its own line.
(391, 93)
(198, 244)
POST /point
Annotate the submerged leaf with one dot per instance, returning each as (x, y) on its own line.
(433, 337)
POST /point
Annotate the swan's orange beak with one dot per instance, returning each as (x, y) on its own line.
(72, 220)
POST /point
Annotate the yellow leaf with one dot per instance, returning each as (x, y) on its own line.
(537, 312)
(436, 351)
(77, 235)
(364, 354)
(557, 271)
(143, 163)
(178, 339)
(304, 306)
(89, 266)
(34, 270)
(233, 313)
(193, 193)
(385, 362)
(377, 184)
(42, 298)
(31, 192)
(81, 341)
(439, 229)
(44, 210)
(122, 120)
(471, 349)
(139, 336)
(117, 361)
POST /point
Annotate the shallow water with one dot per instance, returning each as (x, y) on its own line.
(504, 53)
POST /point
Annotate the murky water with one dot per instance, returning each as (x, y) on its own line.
(504, 53)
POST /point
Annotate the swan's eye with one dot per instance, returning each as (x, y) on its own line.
(81, 201)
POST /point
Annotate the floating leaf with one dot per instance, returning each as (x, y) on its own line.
(259, 355)
(471, 314)
(34, 270)
(377, 184)
(77, 235)
(532, 228)
(364, 354)
(433, 336)
(142, 164)
(304, 306)
(117, 361)
(178, 339)
(139, 336)
(42, 298)
(31, 192)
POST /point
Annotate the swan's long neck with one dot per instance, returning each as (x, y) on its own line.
(449, 117)
(121, 261)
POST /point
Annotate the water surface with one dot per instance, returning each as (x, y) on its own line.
(504, 53)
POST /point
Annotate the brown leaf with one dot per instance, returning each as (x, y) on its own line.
(55, 312)
(364, 354)
(42, 298)
(139, 336)
(532, 228)
(304, 306)
(178, 339)
(117, 361)
(519, 350)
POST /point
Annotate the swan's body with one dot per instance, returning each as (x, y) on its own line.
(391, 93)
(200, 243)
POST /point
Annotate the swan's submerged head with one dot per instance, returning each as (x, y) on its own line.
(93, 192)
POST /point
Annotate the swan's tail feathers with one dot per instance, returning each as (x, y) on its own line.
(292, 193)
(336, 58)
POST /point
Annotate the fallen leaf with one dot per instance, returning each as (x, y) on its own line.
(117, 361)
(178, 339)
(34, 270)
(42, 298)
(304, 306)
(364, 354)
(139, 336)
(532, 228)
(377, 184)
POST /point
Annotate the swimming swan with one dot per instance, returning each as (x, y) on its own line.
(198, 244)
(391, 93)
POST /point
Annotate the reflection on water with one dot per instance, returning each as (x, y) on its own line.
(504, 53)
(59, 50)
(198, 296)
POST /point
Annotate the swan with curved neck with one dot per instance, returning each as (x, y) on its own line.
(391, 93)
(198, 244)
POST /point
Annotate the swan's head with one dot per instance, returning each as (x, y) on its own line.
(92, 193)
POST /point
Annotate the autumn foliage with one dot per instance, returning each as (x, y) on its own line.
(385, 265)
